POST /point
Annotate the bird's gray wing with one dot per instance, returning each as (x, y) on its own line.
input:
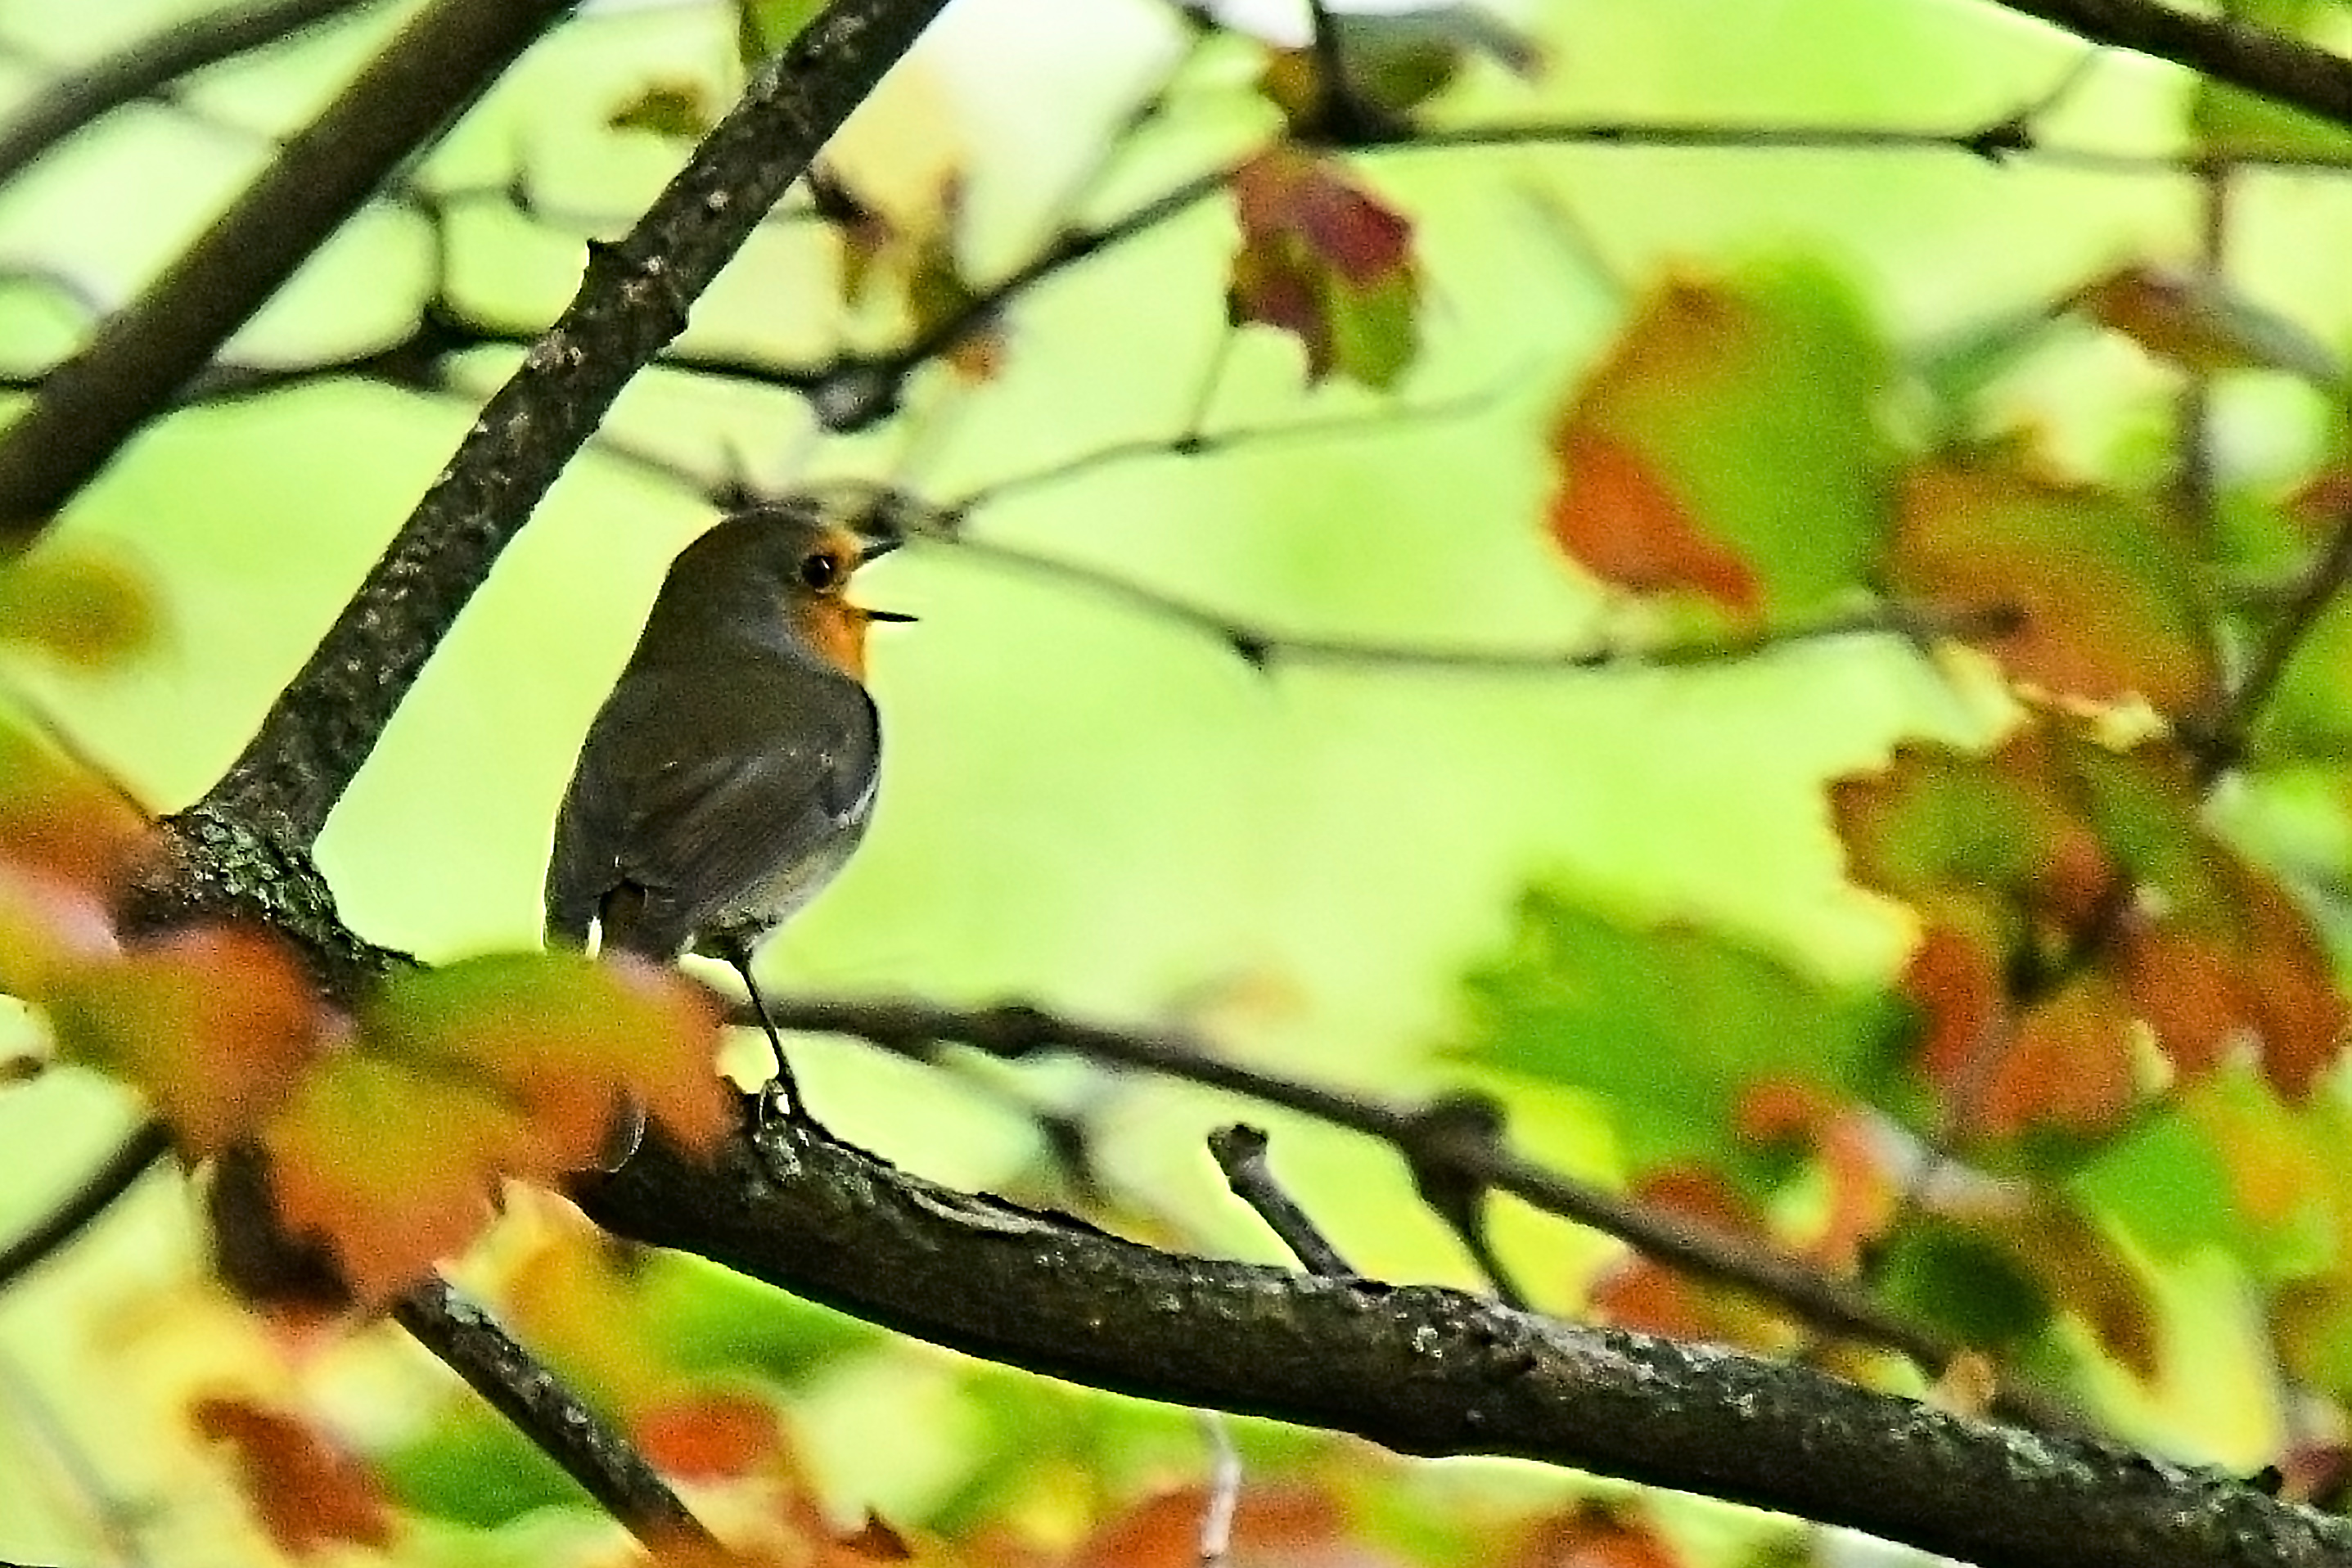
(697, 833)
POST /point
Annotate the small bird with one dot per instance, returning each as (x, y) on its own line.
(731, 774)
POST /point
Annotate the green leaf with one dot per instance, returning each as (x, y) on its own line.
(1964, 1283)
(1753, 409)
(763, 27)
(1672, 1029)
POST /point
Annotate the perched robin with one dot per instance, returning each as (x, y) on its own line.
(731, 774)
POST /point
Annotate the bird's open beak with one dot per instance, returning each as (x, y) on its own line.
(873, 545)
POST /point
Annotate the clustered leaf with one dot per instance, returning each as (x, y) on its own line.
(1325, 261)
(2074, 909)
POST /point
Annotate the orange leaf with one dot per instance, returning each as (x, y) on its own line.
(1957, 982)
(1596, 1535)
(1732, 443)
(214, 1024)
(561, 1039)
(2105, 585)
(1617, 520)
(2066, 1062)
(1637, 1293)
(60, 819)
(309, 1493)
(393, 1170)
(709, 1436)
(1286, 1521)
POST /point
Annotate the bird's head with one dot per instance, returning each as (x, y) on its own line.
(794, 558)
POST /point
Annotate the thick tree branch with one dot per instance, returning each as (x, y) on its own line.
(130, 370)
(138, 70)
(633, 300)
(1440, 1145)
(2259, 59)
(1428, 1371)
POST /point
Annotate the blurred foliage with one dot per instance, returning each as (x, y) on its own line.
(1940, 964)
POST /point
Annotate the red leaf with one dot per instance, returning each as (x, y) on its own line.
(1324, 262)
(308, 1492)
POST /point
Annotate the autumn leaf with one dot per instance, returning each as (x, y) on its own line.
(1640, 1293)
(215, 1024)
(393, 1170)
(2200, 324)
(1287, 1521)
(2103, 584)
(62, 821)
(1731, 444)
(563, 1038)
(1324, 261)
(2070, 896)
(309, 1493)
(506, 1066)
(709, 1435)
(1595, 1535)
(1619, 521)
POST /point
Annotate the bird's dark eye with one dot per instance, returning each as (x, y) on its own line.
(821, 571)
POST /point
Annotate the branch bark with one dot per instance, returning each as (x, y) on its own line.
(91, 405)
(2259, 59)
(471, 1344)
(633, 300)
(1428, 1371)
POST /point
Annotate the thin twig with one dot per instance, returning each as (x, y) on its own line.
(1263, 646)
(1240, 1151)
(2224, 741)
(139, 70)
(130, 370)
(1458, 1131)
(131, 1159)
(1225, 1488)
(470, 1342)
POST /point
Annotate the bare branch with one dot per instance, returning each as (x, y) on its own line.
(138, 70)
(93, 405)
(1240, 1152)
(2259, 59)
(1428, 1371)
(633, 300)
(1428, 1139)
(470, 1342)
